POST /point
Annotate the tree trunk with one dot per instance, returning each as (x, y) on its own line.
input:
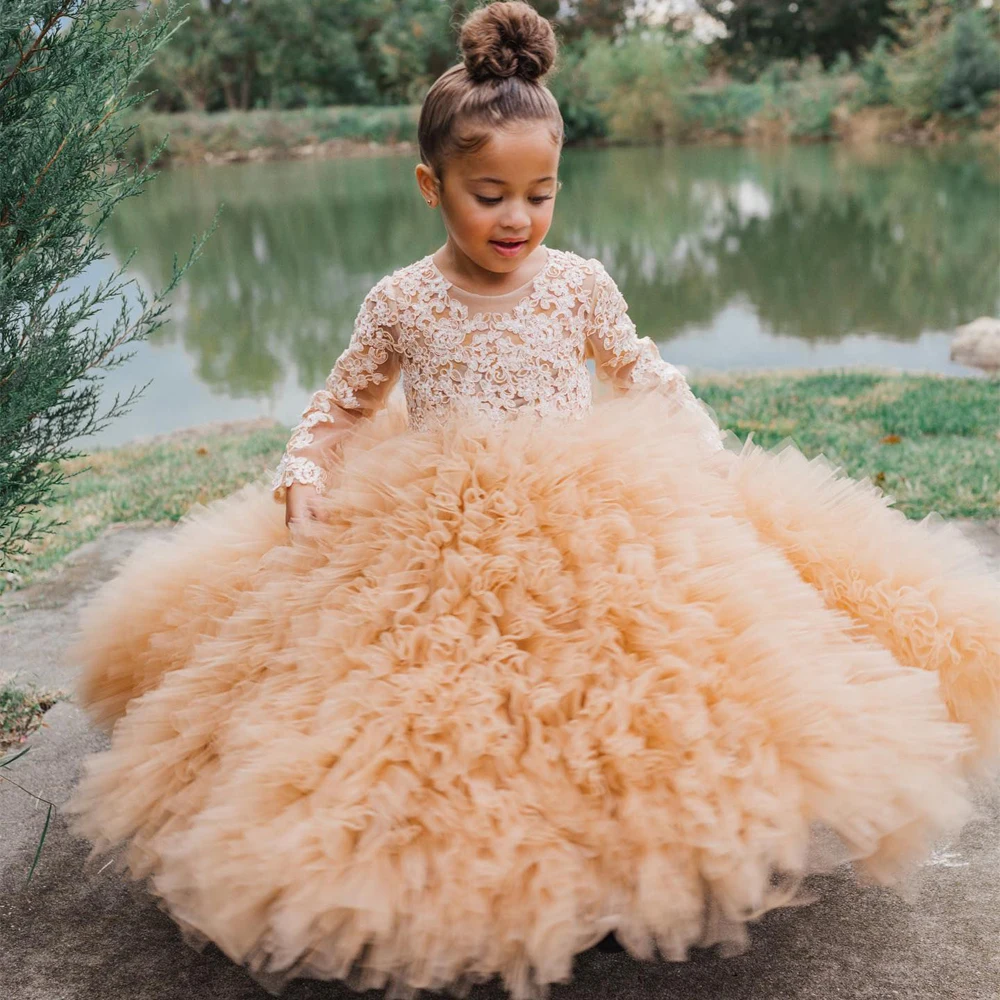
(229, 91)
(247, 84)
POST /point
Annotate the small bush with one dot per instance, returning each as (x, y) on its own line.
(726, 109)
(811, 111)
(578, 100)
(952, 69)
(634, 88)
(876, 87)
(973, 71)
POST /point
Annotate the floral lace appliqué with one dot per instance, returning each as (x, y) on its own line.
(451, 354)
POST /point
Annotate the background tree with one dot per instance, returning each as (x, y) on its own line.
(65, 69)
(761, 31)
(242, 54)
(948, 57)
(602, 18)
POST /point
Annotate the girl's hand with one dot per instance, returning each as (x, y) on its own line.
(301, 502)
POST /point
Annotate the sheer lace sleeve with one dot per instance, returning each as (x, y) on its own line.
(629, 362)
(357, 386)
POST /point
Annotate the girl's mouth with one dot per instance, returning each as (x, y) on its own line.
(507, 249)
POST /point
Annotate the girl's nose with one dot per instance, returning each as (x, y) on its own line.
(517, 217)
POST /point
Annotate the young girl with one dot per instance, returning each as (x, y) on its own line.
(515, 670)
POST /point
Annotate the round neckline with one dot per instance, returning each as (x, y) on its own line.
(502, 295)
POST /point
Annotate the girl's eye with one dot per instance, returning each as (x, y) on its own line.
(495, 201)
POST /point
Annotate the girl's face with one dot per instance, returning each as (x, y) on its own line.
(497, 203)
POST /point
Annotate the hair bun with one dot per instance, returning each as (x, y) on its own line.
(507, 39)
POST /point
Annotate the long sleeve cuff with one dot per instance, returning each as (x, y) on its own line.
(296, 469)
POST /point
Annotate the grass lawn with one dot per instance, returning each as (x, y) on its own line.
(931, 442)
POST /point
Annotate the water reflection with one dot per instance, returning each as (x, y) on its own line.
(819, 242)
(728, 257)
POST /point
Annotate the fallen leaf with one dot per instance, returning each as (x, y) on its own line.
(891, 439)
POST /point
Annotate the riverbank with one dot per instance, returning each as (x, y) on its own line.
(304, 133)
(931, 441)
(339, 132)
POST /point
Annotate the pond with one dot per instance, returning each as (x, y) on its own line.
(730, 258)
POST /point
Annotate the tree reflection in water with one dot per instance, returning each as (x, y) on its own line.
(814, 243)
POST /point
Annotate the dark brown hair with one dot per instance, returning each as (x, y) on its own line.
(507, 50)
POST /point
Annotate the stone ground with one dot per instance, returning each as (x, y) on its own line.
(72, 934)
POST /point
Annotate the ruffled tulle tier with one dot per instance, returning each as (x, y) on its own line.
(519, 686)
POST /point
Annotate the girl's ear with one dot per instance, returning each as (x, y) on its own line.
(427, 183)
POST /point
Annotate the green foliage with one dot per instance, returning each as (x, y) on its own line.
(949, 57)
(808, 102)
(762, 31)
(973, 69)
(876, 87)
(842, 65)
(636, 87)
(919, 63)
(924, 56)
(157, 480)
(783, 67)
(372, 124)
(21, 711)
(245, 54)
(727, 109)
(65, 69)
(579, 103)
(798, 97)
(934, 57)
(812, 114)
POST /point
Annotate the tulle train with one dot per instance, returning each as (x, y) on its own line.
(521, 686)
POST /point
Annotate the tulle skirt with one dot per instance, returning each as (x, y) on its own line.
(520, 686)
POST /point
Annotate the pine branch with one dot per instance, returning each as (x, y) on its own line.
(59, 132)
(62, 12)
(5, 214)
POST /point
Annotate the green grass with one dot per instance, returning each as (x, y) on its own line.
(21, 711)
(148, 483)
(931, 442)
(194, 134)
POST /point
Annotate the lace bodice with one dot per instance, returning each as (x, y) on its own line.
(492, 355)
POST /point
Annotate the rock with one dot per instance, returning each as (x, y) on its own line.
(978, 343)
